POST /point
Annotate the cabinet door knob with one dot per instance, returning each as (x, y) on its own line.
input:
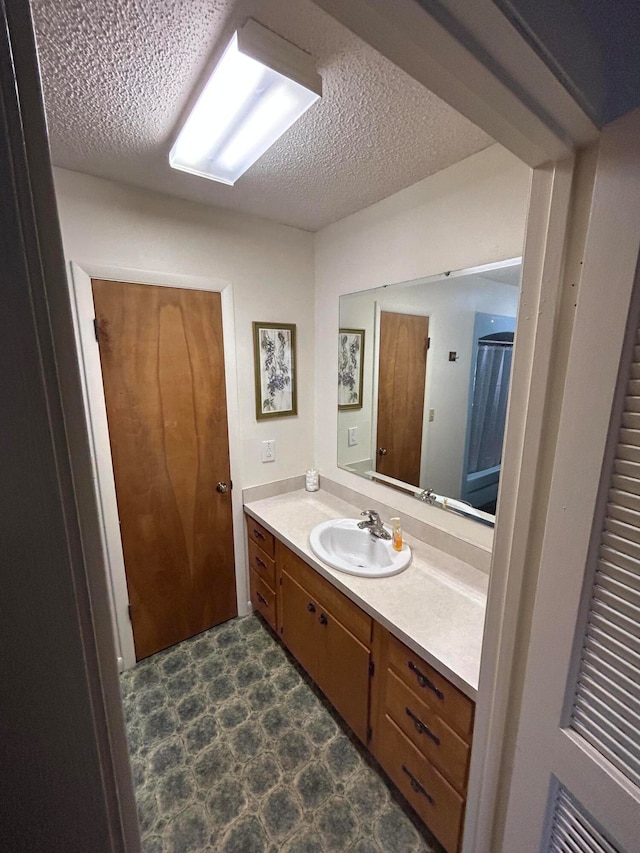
(223, 488)
(311, 607)
(323, 619)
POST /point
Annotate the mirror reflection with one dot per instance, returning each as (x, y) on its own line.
(422, 404)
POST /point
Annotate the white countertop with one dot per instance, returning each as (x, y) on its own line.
(436, 606)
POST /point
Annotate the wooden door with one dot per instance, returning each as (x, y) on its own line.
(161, 351)
(404, 339)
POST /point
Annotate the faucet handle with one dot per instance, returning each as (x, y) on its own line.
(373, 515)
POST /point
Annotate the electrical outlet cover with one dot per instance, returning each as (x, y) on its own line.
(269, 450)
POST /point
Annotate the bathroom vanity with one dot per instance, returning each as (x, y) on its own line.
(398, 657)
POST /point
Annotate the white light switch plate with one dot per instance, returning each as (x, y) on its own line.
(352, 436)
(269, 450)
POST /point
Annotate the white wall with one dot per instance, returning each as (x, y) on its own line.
(448, 383)
(270, 267)
(470, 214)
(358, 312)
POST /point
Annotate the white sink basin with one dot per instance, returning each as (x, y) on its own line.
(342, 545)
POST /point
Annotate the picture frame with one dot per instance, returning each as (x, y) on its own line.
(274, 351)
(350, 372)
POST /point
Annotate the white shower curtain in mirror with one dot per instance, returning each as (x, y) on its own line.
(488, 415)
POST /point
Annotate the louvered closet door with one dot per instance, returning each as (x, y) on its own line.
(606, 708)
(575, 785)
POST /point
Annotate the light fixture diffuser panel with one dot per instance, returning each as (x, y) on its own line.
(245, 106)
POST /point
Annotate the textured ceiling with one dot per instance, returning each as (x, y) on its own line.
(118, 76)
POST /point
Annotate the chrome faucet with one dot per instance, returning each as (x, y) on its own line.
(427, 496)
(373, 524)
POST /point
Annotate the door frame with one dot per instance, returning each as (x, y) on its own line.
(576, 503)
(523, 486)
(447, 65)
(79, 278)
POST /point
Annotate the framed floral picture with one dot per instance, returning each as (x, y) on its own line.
(350, 355)
(274, 349)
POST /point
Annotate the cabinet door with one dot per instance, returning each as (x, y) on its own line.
(343, 672)
(300, 624)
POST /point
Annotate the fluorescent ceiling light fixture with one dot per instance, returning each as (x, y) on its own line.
(259, 88)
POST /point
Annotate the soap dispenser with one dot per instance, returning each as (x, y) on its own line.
(397, 534)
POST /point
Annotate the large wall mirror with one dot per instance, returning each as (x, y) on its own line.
(423, 382)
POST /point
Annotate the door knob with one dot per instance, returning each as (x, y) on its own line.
(382, 451)
(222, 488)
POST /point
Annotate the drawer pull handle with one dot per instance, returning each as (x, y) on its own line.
(262, 599)
(261, 563)
(311, 607)
(423, 681)
(421, 728)
(323, 619)
(417, 787)
(259, 535)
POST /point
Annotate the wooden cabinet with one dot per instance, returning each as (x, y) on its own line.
(329, 635)
(416, 723)
(344, 674)
(263, 565)
(262, 572)
(427, 731)
(434, 799)
(421, 735)
(298, 616)
(445, 699)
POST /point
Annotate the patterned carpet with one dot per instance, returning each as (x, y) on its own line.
(233, 750)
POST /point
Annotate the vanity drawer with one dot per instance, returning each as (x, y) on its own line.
(262, 598)
(432, 688)
(436, 802)
(427, 731)
(262, 565)
(342, 608)
(261, 536)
